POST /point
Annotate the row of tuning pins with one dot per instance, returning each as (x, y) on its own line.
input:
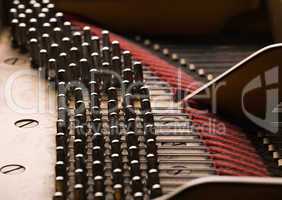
(153, 179)
(52, 45)
(62, 135)
(115, 142)
(132, 141)
(142, 91)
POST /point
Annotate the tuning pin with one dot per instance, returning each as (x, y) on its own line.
(58, 195)
(115, 134)
(133, 153)
(137, 187)
(96, 60)
(66, 44)
(54, 22)
(67, 29)
(98, 153)
(95, 44)
(60, 19)
(62, 61)
(148, 118)
(144, 92)
(36, 8)
(156, 191)
(128, 100)
(154, 182)
(22, 37)
(15, 3)
(60, 168)
(94, 100)
(61, 126)
(34, 53)
(60, 186)
(79, 192)
(46, 28)
(106, 78)
(131, 124)
(78, 95)
(99, 187)
(51, 8)
(60, 153)
(46, 12)
(112, 93)
(131, 139)
(45, 2)
(117, 173)
(77, 40)
(62, 91)
(106, 54)
(57, 35)
(152, 161)
(112, 106)
(29, 13)
(98, 168)
(118, 188)
(113, 116)
(84, 66)
(135, 168)
(52, 69)
(73, 72)
(80, 132)
(149, 132)
(62, 106)
(86, 50)
(116, 49)
(128, 75)
(79, 146)
(127, 79)
(145, 106)
(127, 59)
(54, 51)
(14, 32)
(22, 18)
(87, 34)
(106, 38)
(97, 122)
(32, 33)
(45, 41)
(138, 72)
(115, 144)
(74, 55)
(13, 14)
(151, 146)
(116, 63)
(98, 139)
(33, 23)
(42, 18)
(43, 59)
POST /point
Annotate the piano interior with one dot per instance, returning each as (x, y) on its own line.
(113, 100)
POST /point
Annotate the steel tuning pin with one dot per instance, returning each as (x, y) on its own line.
(105, 38)
(87, 34)
(34, 53)
(95, 44)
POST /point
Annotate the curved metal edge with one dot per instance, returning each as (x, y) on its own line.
(230, 186)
